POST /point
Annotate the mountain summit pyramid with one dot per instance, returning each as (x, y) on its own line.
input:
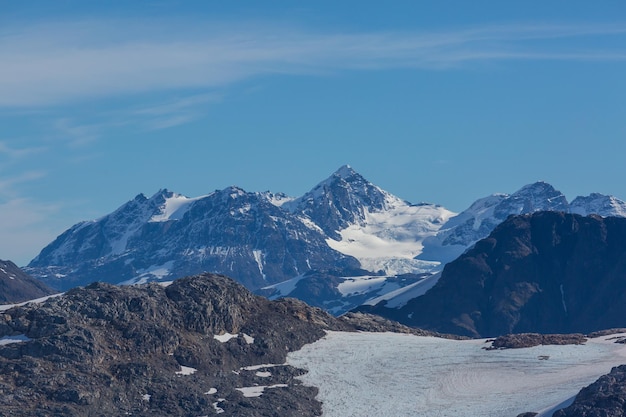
(342, 200)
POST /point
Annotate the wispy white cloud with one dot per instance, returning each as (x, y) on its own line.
(76, 135)
(8, 183)
(17, 153)
(172, 113)
(63, 62)
(178, 105)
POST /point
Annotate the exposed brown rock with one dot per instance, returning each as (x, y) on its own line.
(105, 350)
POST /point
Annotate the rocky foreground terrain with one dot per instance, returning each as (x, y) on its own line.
(201, 346)
(604, 398)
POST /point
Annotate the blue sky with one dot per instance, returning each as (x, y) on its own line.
(443, 102)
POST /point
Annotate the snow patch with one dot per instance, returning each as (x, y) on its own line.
(5, 307)
(284, 288)
(152, 273)
(249, 339)
(218, 410)
(7, 340)
(263, 374)
(225, 337)
(174, 208)
(277, 199)
(399, 297)
(257, 367)
(186, 370)
(211, 391)
(257, 390)
(258, 257)
(361, 285)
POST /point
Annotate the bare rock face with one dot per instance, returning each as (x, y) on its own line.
(546, 272)
(187, 349)
(17, 286)
(604, 398)
(230, 231)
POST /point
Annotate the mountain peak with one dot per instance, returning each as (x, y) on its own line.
(233, 192)
(538, 186)
(596, 203)
(533, 197)
(345, 172)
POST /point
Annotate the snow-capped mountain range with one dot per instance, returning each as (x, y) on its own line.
(344, 227)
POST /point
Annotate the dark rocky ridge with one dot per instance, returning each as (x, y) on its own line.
(107, 350)
(547, 272)
(604, 398)
(17, 286)
(524, 340)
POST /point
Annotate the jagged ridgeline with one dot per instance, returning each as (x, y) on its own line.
(344, 243)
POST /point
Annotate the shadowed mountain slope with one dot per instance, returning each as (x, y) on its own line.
(548, 272)
(17, 286)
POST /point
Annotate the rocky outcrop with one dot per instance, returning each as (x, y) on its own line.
(547, 272)
(604, 398)
(524, 340)
(196, 347)
(17, 286)
(364, 322)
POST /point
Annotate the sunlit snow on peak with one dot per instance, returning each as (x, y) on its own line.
(602, 205)
(174, 208)
(394, 234)
(277, 199)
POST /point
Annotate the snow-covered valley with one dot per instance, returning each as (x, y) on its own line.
(390, 374)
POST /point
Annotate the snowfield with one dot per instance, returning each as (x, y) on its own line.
(390, 374)
(389, 240)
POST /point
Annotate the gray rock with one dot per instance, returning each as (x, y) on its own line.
(107, 350)
(604, 398)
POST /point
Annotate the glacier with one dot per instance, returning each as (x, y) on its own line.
(391, 374)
